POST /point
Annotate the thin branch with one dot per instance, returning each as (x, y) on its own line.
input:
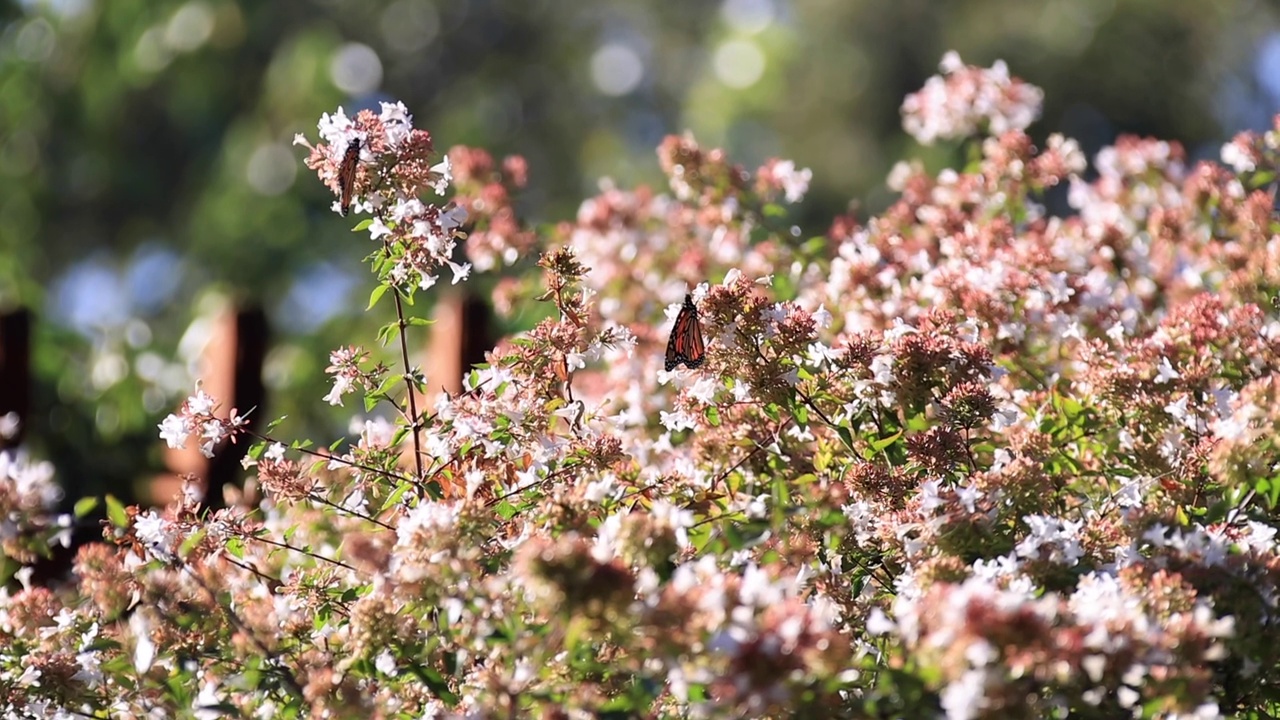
(352, 513)
(551, 476)
(335, 458)
(1238, 509)
(308, 553)
(244, 629)
(414, 421)
(271, 581)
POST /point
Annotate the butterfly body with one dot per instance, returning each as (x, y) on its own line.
(347, 175)
(685, 346)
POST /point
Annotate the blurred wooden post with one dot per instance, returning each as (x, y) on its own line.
(231, 372)
(15, 374)
(459, 338)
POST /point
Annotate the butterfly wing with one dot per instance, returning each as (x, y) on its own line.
(347, 175)
(685, 346)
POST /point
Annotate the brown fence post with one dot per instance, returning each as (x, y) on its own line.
(15, 374)
(231, 372)
(459, 338)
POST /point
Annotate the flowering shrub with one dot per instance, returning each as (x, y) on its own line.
(964, 460)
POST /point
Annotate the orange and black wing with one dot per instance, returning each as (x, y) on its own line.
(685, 345)
(347, 175)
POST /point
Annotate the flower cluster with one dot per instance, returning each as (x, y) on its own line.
(28, 504)
(966, 100)
(394, 167)
(967, 459)
(197, 417)
(485, 194)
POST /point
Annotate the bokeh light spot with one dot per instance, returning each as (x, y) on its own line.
(410, 25)
(748, 16)
(739, 63)
(271, 169)
(35, 41)
(150, 53)
(616, 69)
(89, 296)
(153, 275)
(318, 294)
(190, 27)
(356, 69)
(1267, 67)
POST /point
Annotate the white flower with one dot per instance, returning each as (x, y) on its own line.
(1236, 157)
(968, 495)
(965, 698)
(1059, 536)
(453, 218)
(153, 530)
(822, 317)
(795, 183)
(397, 123)
(445, 172)
(676, 421)
(899, 329)
(879, 624)
(144, 652)
(206, 703)
(341, 386)
(213, 432)
(950, 62)
(1166, 372)
(10, 424)
(385, 662)
(378, 229)
(174, 431)
(275, 452)
(460, 272)
(200, 403)
(1178, 410)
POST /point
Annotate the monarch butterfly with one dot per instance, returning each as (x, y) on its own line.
(685, 345)
(347, 175)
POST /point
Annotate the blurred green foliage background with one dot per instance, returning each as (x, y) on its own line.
(147, 171)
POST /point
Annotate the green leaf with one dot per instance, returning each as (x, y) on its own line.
(882, 443)
(395, 496)
(418, 321)
(376, 295)
(191, 542)
(802, 415)
(805, 479)
(84, 506)
(116, 512)
(402, 431)
(846, 436)
(712, 415)
(362, 225)
(235, 546)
